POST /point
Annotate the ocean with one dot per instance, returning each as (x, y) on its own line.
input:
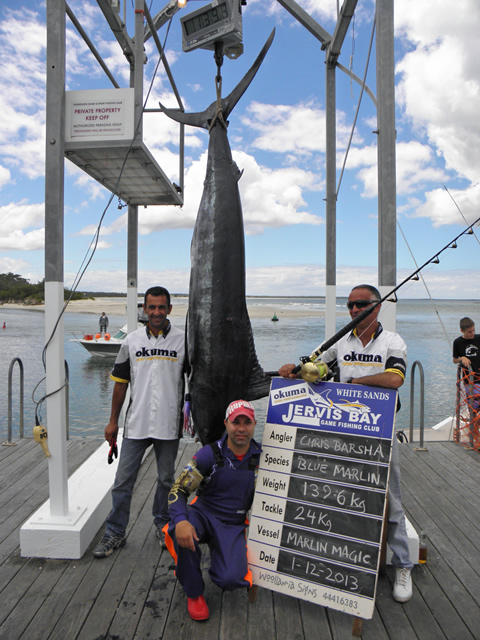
(428, 329)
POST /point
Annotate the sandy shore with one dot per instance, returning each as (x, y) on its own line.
(118, 307)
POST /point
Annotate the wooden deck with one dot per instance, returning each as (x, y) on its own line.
(133, 594)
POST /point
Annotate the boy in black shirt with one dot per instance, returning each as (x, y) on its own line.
(466, 351)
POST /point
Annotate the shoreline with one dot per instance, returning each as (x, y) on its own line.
(118, 307)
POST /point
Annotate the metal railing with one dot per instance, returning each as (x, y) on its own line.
(10, 393)
(415, 365)
(21, 400)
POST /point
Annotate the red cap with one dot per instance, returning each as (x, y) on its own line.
(240, 408)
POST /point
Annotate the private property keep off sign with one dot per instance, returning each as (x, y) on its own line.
(317, 516)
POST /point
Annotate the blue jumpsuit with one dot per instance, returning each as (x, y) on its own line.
(225, 493)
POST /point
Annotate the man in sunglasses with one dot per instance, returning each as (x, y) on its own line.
(370, 355)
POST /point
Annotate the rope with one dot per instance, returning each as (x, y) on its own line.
(218, 113)
(460, 211)
(425, 285)
(354, 124)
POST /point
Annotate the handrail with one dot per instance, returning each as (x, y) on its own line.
(418, 364)
(21, 399)
(10, 372)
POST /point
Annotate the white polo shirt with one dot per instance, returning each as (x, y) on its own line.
(154, 369)
(386, 351)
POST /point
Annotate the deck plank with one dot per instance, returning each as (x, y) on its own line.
(260, 616)
(57, 600)
(288, 621)
(133, 595)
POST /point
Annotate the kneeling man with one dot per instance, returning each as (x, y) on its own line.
(223, 475)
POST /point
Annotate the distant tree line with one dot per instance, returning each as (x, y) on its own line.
(14, 288)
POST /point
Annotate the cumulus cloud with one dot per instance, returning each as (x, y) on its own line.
(23, 240)
(19, 223)
(320, 9)
(115, 281)
(287, 128)
(461, 208)
(5, 176)
(309, 280)
(18, 266)
(439, 85)
(22, 99)
(416, 169)
(270, 198)
(298, 129)
(274, 198)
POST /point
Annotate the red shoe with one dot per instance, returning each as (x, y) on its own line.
(197, 608)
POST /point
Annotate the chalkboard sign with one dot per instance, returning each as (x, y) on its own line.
(317, 517)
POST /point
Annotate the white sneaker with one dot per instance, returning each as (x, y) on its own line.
(402, 589)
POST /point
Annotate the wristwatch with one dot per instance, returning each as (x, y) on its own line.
(349, 380)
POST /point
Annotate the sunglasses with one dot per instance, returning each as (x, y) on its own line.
(360, 304)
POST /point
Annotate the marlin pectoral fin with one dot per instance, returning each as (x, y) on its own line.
(192, 119)
(258, 384)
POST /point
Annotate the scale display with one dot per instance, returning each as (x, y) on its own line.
(221, 20)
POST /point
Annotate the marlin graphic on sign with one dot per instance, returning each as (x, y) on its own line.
(323, 400)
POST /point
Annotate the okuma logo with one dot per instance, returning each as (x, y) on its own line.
(159, 353)
(290, 394)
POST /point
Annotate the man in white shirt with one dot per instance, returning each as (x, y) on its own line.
(151, 361)
(372, 356)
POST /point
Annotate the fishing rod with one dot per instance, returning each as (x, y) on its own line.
(313, 372)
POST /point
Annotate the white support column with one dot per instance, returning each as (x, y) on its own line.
(54, 257)
(55, 391)
(387, 193)
(388, 312)
(330, 311)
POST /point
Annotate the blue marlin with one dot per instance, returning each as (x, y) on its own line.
(223, 365)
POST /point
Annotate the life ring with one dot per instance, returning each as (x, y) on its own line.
(107, 336)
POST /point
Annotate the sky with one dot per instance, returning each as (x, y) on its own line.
(277, 136)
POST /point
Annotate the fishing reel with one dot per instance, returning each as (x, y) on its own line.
(312, 371)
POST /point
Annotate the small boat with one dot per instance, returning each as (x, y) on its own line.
(107, 346)
(103, 345)
(274, 319)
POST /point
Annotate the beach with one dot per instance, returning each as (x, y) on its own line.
(257, 308)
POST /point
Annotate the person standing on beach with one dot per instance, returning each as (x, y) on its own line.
(103, 323)
(223, 476)
(386, 367)
(151, 361)
(466, 351)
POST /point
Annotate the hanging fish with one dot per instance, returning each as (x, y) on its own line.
(220, 346)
